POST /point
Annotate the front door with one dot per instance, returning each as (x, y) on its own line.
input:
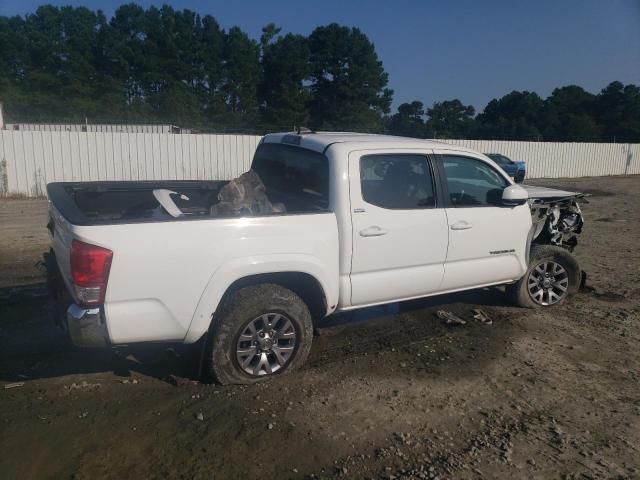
(399, 231)
(487, 240)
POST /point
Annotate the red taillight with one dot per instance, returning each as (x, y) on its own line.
(90, 271)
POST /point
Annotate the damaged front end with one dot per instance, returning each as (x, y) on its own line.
(557, 217)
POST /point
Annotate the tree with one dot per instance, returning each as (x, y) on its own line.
(568, 115)
(348, 81)
(515, 116)
(450, 119)
(46, 73)
(13, 54)
(283, 96)
(172, 73)
(241, 76)
(65, 64)
(125, 58)
(409, 121)
(618, 112)
(212, 41)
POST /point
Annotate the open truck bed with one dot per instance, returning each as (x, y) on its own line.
(108, 203)
(160, 269)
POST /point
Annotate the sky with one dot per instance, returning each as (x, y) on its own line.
(467, 49)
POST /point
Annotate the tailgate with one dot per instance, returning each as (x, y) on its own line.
(61, 237)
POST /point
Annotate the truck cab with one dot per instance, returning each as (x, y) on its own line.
(433, 209)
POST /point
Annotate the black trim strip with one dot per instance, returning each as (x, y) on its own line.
(442, 192)
(327, 147)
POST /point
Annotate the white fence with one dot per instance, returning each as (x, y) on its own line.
(31, 159)
(96, 127)
(564, 159)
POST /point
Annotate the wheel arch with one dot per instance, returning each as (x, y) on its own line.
(308, 283)
(306, 286)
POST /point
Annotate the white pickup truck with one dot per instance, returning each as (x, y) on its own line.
(363, 220)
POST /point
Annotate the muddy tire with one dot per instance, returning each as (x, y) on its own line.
(553, 276)
(259, 331)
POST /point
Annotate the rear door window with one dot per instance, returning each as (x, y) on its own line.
(395, 181)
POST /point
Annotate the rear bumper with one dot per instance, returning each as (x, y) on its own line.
(86, 327)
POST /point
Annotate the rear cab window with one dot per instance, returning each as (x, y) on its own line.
(294, 176)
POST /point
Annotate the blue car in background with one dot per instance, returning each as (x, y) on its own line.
(517, 170)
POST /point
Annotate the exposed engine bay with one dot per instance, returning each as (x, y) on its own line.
(556, 214)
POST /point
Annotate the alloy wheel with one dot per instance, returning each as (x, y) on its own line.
(266, 344)
(548, 283)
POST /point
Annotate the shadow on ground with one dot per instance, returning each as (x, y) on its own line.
(33, 346)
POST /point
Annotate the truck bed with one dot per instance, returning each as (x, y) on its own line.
(168, 276)
(109, 203)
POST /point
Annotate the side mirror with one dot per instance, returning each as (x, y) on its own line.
(514, 195)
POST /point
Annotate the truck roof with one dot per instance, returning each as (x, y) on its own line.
(319, 141)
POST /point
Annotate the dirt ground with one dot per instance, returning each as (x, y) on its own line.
(388, 392)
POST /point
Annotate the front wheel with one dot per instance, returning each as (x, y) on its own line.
(552, 277)
(260, 331)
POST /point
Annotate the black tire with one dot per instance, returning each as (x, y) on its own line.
(518, 293)
(232, 319)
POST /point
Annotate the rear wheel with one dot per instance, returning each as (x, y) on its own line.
(260, 331)
(552, 277)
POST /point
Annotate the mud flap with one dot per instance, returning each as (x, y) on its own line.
(583, 279)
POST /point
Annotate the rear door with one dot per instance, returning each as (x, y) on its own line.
(487, 240)
(399, 228)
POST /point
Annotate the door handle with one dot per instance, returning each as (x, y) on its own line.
(461, 225)
(373, 231)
